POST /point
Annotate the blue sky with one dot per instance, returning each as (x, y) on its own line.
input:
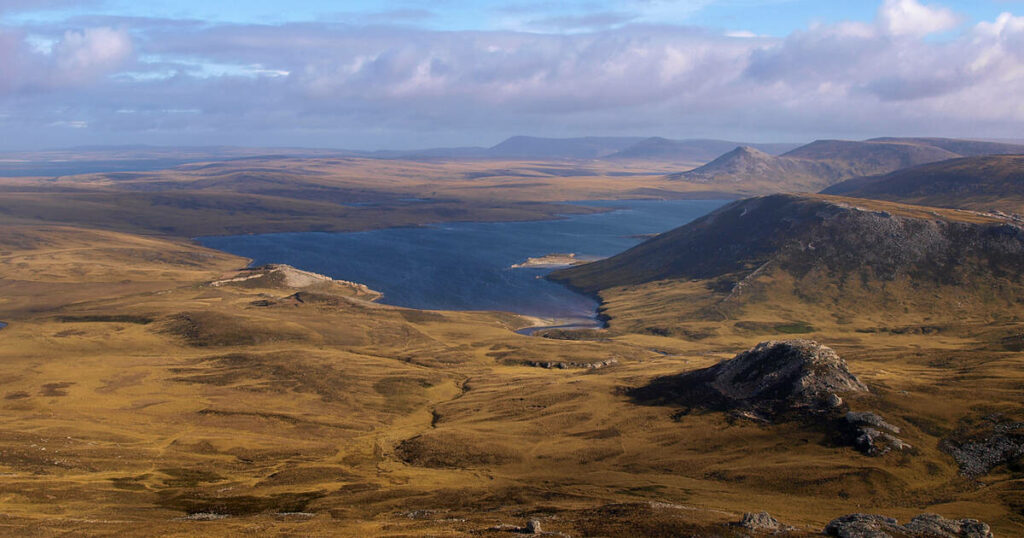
(411, 73)
(769, 17)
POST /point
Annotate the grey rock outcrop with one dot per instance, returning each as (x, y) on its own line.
(759, 521)
(979, 454)
(798, 372)
(561, 365)
(533, 527)
(922, 526)
(770, 378)
(872, 435)
(862, 526)
(935, 525)
(870, 419)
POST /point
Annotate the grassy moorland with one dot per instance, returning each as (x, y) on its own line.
(338, 194)
(151, 386)
(148, 387)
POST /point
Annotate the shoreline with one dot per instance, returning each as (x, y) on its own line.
(543, 324)
(555, 260)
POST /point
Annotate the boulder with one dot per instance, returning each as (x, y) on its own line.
(871, 419)
(996, 445)
(772, 377)
(759, 521)
(871, 434)
(799, 372)
(862, 526)
(934, 525)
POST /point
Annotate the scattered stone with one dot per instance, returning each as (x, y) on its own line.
(865, 428)
(976, 456)
(833, 401)
(924, 526)
(759, 521)
(204, 516)
(934, 525)
(533, 527)
(419, 514)
(875, 443)
(862, 526)
(572, 365)
(871, 419)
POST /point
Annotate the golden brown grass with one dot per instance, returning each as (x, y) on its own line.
(135, 394)
(303, 194)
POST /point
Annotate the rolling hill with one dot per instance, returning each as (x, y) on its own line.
(529, 147)
(980, 183)
(825, 162)
(842, 255)
(154, 387)
(693, 150)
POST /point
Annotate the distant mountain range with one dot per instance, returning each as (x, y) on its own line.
(826, 162)
(691, 151)
(89, 159)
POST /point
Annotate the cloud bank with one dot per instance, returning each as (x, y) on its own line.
(916, 69)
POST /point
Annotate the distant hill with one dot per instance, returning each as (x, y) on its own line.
(760, 170)
(861, 158)
(694, 150)
(840, 253)
(594, 147)
(988, 182)
(826, 162)
(966, 148)
(529, 147)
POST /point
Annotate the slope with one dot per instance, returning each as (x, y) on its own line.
(692, 150)
(842, 256)
(981, 183)
(825, 162)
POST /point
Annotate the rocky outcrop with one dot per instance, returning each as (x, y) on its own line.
(922, 526)
(760, 522)
(939, 527)
(775, 380)
(872, 435)
(980, 452)
(862, 526)
(561, 365)
(797, 372)
(772, 377)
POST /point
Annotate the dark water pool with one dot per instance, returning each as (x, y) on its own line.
(466, 266)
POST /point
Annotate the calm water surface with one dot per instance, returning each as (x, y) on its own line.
(466, 266)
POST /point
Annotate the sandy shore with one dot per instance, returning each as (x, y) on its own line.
(554, 261)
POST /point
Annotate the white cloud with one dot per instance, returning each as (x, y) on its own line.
(84, 55)
(911, 18)
(887, 76)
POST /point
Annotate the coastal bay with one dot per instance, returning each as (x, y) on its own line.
(468, 266)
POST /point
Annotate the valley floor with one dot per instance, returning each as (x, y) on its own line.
(137, 398)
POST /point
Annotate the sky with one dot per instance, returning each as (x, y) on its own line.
(375, 74)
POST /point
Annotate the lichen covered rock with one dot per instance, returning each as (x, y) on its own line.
(771, 377)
